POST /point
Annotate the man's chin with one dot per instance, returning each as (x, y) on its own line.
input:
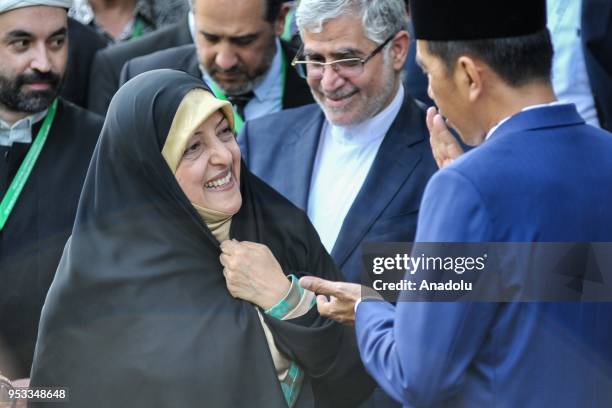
(37, 101)
(233, 87)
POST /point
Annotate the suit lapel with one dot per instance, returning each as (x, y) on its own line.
(390, 170)
(301, 153)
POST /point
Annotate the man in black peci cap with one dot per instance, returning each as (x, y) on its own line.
(538, 174)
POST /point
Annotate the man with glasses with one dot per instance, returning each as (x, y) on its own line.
(358, 160)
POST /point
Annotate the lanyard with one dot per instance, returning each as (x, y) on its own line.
(286, 35)
(238, 120)
(12, 194)
(137, 28)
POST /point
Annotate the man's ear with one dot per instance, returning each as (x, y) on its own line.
(469, 77)
(400, 46)
(279, 24)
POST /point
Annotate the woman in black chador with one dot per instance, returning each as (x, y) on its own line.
(178, 287)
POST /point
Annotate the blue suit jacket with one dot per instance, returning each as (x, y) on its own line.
(543, 176)
(281, 150)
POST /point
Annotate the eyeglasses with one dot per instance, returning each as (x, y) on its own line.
(348, 67)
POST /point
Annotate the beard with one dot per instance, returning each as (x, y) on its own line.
(248, 80)
(13, 97)
(362, 108)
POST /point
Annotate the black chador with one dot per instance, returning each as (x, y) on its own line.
(139, 314)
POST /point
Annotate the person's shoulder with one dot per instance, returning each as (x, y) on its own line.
(169, 58)
(79, 117)
(77, 128)
(163, 38)
(603, 135)
(85, 36)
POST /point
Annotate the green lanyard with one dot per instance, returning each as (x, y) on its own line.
(286, 35)
(137, 28)
(14, 190)
(238, 120)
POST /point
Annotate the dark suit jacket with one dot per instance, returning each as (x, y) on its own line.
(297, 93)
(105, 73)
(281, 149)
(83, 43)
(597, 47)
(32, 241)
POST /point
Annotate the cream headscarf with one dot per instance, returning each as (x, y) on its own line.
(194, 109)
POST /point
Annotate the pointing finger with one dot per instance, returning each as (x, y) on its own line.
(318, 285)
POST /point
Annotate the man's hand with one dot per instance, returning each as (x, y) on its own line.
(342, 298)
(252, 273)
(443, 144)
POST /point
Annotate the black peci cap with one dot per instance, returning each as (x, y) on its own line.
(451, 20)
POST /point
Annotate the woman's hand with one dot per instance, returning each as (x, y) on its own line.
(252, 273)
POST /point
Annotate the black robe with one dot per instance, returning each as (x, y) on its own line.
(33, 239)
(139, 314)
(83, 44)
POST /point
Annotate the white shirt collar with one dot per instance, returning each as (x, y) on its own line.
(20, 131)
(370, 129)
(526, 108)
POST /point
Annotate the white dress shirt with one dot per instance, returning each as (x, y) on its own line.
(20, 131)
(344, 157)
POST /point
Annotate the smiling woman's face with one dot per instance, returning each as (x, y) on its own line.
(209, 171)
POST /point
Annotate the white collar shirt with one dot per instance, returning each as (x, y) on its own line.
(343, 161)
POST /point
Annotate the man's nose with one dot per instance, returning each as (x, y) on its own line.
(226, 57)
(40, 60)
(331, 80)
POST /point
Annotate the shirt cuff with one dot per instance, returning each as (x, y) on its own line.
(294, 299)
(357, 304)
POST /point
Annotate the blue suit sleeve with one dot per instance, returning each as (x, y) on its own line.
(418, 352)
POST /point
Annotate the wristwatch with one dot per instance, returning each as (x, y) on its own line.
(5, 396)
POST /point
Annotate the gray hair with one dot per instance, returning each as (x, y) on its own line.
(380, 18)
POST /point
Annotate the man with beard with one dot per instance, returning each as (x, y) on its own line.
(238, 53)
(358, 160)
(45, 148)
